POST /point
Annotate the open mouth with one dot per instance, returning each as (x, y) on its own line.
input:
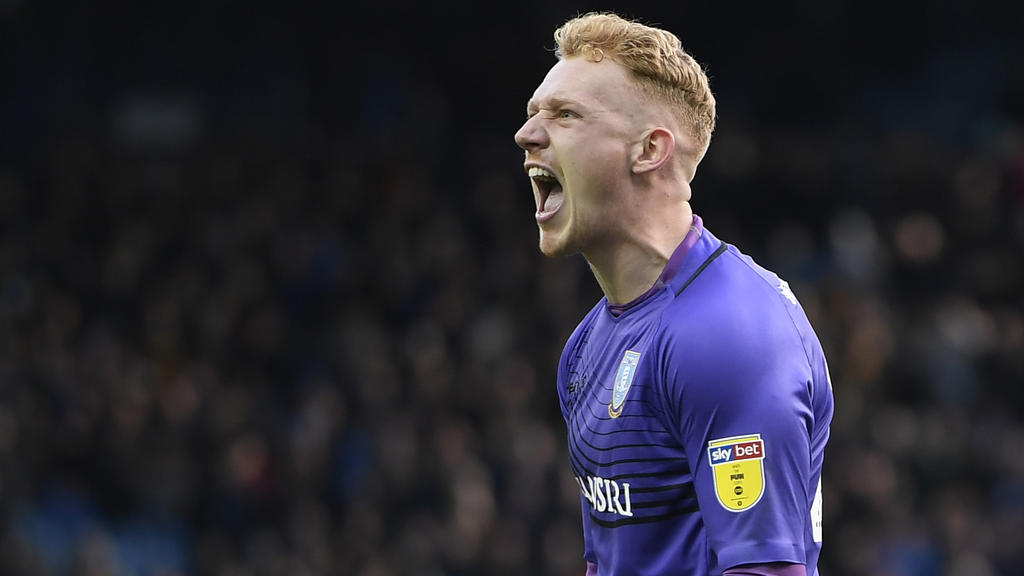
(549, 191)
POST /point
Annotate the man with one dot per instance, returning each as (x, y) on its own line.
(695, 393)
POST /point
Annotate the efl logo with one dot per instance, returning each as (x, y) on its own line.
(737, 465)
(745, 450)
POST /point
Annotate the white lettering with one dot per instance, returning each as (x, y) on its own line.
(629, 505)
(606, 495)
(602, 504)
(583, 488)
(748, 450)
(618, 504)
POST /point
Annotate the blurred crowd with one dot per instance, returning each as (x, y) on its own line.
(267, 351)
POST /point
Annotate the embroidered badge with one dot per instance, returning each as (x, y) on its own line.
(737, 465)
(623, 380)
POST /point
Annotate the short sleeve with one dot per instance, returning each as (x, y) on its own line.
(737, 392)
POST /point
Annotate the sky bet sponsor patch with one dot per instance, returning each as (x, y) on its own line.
(737, 464)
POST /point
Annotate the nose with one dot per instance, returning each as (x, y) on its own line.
(531, 134)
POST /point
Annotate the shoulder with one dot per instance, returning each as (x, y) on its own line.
(731, 297)
(735, 315)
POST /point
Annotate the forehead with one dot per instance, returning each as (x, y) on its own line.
(605, 84)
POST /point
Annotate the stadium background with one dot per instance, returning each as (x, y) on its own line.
(271, 303)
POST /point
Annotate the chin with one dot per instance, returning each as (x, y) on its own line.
(555, 247)
(549, 252)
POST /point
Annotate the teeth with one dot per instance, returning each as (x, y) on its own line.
(538, 172)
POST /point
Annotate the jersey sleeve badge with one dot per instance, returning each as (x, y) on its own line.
(737, 465)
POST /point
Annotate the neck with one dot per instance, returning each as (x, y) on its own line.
(628, 267)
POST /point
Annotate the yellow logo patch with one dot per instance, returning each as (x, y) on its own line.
(737, 464)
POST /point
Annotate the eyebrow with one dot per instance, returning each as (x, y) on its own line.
(552, 102)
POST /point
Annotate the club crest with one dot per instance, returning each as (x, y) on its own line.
(623, 380)
(737, 465)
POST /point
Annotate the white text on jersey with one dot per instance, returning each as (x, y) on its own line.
(606, 495)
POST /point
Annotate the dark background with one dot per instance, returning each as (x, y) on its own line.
(271, 302)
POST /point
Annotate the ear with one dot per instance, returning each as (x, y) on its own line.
(654, 150)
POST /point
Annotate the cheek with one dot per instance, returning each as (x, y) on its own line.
(592, 162)
(595, 170)
(599, 180)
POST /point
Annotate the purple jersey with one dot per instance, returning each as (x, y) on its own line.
(697, 420)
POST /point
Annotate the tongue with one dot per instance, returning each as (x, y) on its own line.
(554, 200)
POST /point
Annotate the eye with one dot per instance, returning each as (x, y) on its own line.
(563, 113)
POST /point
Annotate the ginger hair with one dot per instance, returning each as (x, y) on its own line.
(656, 59)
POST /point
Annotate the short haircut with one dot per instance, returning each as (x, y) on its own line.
(654, 56)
